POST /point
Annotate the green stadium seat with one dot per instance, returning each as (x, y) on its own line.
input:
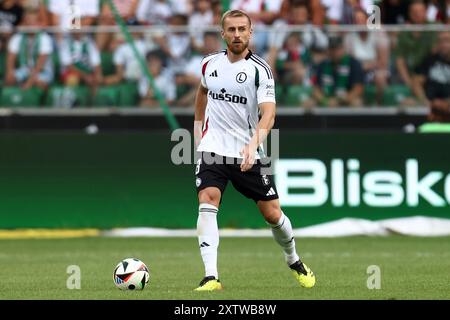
(394, 94)
(107, 63)
(67, 97)
(107, 96)
(297, 94)
(16, 97)
(128, 94)
(370, 95)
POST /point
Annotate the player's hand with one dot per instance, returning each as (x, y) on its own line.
(248, 154)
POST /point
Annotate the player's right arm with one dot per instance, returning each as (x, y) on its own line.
(201, 99)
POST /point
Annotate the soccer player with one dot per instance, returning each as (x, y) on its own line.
(236, 86)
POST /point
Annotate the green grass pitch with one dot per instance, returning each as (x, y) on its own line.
(250, 268)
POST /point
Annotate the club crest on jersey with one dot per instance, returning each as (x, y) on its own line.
(241, 77)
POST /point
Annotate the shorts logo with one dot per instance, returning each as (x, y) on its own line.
(271, 192)
(265, 180)
(241, 77)
(197, 167)
(198, 182)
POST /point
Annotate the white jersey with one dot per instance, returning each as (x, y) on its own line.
(234, 92)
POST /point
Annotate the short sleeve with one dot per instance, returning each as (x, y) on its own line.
(273, 5)
(265, 84)
(170, 91)
(46, 45)
(143, 87)
(119, 56)
(94, 54)
(204, 64)
(64, 53)
(142, 10)
(91, 8)
(54, 6)
(14, 44)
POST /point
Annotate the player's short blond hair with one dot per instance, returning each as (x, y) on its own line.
(234, 13)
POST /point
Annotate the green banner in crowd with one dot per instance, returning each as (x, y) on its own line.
(108, 180)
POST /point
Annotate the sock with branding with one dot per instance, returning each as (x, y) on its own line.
(283, 234)
(208, 237)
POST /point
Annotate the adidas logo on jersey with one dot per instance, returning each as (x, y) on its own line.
(214, 74)
(271, 192)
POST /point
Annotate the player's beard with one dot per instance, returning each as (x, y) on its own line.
(238, 48)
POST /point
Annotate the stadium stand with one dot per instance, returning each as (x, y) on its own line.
(318, 21)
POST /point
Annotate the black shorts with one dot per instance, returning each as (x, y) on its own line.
(213, 170)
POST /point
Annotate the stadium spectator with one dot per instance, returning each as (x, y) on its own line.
(339, 79)
(317, 12)
(157, 12)
(176, 45)
(394, 11)
(438, 11)
(183, 7)
(217, 9)
(189, 78)
(341, 11)
(61, 16)
(125, 8)
(291, 61)
(153, 12)
(312, 37)
(408, 53)
(163, 80)
(201, 17)
(29, 60)
(432, 80)
(315, 9)
(126, 64)
(11, 12)
(44, 13)
(371, 48)
(262, 12)
(80, 60)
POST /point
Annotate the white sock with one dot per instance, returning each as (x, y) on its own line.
(283, 234)
(208, 237)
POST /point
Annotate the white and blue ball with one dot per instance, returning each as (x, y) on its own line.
(131, 274)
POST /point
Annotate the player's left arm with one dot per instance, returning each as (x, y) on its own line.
(263, 128)
(265, 94)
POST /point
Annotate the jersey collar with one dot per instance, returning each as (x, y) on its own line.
(249, 54)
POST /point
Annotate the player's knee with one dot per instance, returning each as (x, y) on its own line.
(272, 213)
(273, 216)
(210, 196)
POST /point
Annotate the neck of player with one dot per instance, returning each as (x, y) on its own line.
(232, 57)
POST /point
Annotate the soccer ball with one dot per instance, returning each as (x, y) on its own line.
(131, 274)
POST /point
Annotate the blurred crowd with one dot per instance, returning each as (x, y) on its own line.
(312, 67)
